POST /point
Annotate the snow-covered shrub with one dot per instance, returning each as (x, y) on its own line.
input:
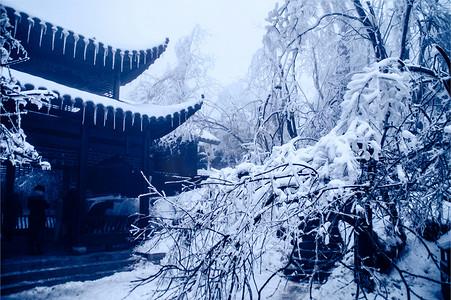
(244, 224)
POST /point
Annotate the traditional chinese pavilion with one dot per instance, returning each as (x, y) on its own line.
(99, 143)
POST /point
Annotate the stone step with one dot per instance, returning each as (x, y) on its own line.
(62, 271)
(21, 275)
(25, 285)
(36, 263)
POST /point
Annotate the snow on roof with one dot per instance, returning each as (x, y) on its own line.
(206, 137)
(151, 110)
(445, 241)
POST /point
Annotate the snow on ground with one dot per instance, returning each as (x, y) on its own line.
(415, 260)
(340, 284)
(113, 287)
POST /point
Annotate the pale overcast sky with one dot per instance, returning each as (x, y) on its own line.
(235, 27)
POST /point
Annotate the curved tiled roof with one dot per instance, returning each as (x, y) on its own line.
(99, 108)
(55, 53)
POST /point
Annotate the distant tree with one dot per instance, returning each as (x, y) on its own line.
(184, 81)
(232, 119)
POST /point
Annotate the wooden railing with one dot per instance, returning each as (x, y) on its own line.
(97, 230)
(92, 224)
(107, 224)
(107, 231)
(22, 223)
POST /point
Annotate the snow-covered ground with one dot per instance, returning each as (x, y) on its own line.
(416, 260)
(340, 284)
(112, 287)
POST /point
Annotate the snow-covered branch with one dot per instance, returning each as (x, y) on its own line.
(305, 208)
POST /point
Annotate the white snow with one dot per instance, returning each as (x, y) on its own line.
(340, 284)
(30, 25)
(76, 38)
(121, 53)
(43, 30)
(86, 43)
(112, 287)
(205, 135)
(66, 34)
(447, 129)
(445, 241)
(416, 260)
(54, 30)
(151, 110)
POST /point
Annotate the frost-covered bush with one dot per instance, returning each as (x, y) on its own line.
(246, 223)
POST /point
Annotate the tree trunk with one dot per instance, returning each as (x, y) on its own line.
(404, 53)
(372, 30)
(364, 253)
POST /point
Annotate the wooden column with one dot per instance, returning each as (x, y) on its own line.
(80, 208)
(8, 204)
(117, 84)
(144, 201)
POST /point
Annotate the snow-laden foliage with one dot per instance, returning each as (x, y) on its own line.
(297, 80)
(258, 218)
(303, 68)
(11, 49)
(13, 144)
